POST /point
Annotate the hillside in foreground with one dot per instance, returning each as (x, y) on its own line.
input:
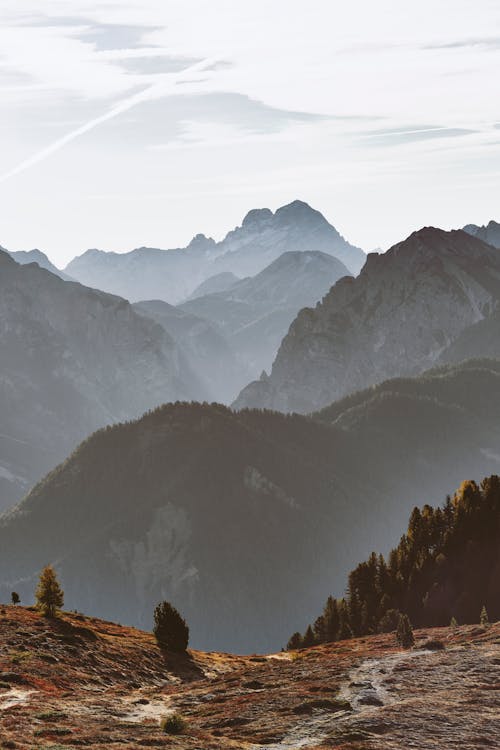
(81, 682)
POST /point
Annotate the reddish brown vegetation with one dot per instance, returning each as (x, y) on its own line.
(80, 682)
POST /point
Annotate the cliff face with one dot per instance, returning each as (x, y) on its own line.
(72, 360)
(397, 317)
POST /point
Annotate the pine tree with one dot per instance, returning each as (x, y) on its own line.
(49, 594)
(170, 629)
(483, 618)
(295, 642)
(15, 598)
(308, 638)
(404, 632)
(453, 623)
(331, 620)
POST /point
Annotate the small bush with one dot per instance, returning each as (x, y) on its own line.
(433, 645)
(173, 724)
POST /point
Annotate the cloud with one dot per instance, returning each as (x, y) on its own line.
(394, 137)
(484, 42)
(159, 90)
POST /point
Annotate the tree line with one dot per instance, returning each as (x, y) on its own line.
(445, 569)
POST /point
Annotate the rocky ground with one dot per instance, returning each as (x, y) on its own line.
(81, 682)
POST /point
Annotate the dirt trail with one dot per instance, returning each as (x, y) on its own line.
(14, 697)
(363, 689)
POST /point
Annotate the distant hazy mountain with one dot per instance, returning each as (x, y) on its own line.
(72, 359)
(206, 349)
(396, 318)
(264, 236)
(256, 313)
(36, 256)
(489, 233)
(220, 282)
(246, 521)
(173, 275)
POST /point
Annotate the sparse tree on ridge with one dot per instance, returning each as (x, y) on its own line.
(49, 594)
(170, 629)
(15, 598)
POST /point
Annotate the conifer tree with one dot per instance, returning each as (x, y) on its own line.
(404, 632)
(49, 594)
(484, 619)
(295, 642)
(453, 623)
(15, 598)
(170, 629)
(308, 638)
(331, 620)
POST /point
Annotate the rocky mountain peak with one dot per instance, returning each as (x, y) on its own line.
(257, 217)
(299, 211)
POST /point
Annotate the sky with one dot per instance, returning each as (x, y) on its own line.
(129, 123)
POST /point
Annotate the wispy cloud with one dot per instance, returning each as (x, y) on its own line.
(156, 91)
(485, 42)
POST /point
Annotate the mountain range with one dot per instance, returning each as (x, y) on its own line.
(255, 313)
(73, 359)
(489, 233)
(173, 275)
(23, 257)
(401, 315)
(246, 520)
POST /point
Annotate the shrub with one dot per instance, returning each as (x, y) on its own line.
(170, 629)
(49, 594)
(453, 623)
(15, 598)
(483, 618)
(404, 632)
(173, 724)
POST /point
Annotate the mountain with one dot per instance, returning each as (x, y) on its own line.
(246, 520)
(173, 275)
(220, 282)
(255, 313)
(205, 348)
(86, 682)
(397, 317)
(36, 256)
(264, 236)
(489, 233)
(479, 340)
(73, 359)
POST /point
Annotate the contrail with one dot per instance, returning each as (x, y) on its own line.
(152, 92)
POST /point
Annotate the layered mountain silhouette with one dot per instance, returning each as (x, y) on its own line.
(23, 257)
(398, 317)
(489, 233)
(220, 371)
(247, 520)
(255, 313)
(73, 359)
(173, 275)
